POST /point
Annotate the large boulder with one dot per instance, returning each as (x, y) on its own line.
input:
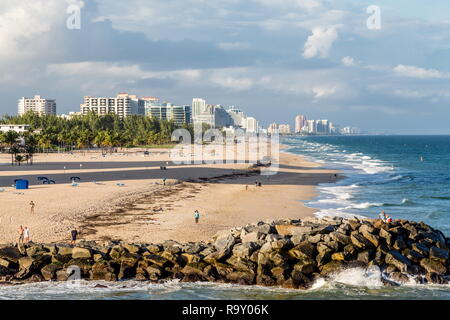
(103, 270)
(10, 253)
(303, 250)
(360, 241)
(81, 253)
(433, 266)
(331, 268)
(291, 230)
(49, 271)
(397, 259)
(439, 254)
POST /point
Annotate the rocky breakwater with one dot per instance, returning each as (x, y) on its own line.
(287, 253)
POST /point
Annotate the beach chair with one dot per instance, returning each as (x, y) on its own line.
(120, 185)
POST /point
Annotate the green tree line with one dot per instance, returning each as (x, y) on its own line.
(86, 131)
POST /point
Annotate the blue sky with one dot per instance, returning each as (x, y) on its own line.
(272, 58)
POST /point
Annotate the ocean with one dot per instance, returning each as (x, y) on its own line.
(407, 176)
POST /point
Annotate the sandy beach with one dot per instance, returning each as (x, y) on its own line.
(122, 196)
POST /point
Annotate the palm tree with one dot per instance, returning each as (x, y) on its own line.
(30, 147)
(19, 158)
(10, 138)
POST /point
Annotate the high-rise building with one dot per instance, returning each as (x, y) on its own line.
(166, 111)
(238, 116)
(123, 105)
(273, 128)
(300, 123)
(312, 126)
(37, 104)
(251, 125)
(221, 117)
(284, 129)
(323, 127)
(198, 106)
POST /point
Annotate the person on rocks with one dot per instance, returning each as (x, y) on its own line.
(21, 232)
(388, 219)
(73, 234)
(196, 216)
(383, 216)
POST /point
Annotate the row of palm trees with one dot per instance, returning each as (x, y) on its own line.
(21, 147)
(50, 132)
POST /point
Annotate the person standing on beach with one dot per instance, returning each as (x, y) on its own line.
(21, 232)
(246, 187)
(73, 234)
(196, 216)
(32, 205)
(26, 235)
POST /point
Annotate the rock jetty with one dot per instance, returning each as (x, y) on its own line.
(286, 253)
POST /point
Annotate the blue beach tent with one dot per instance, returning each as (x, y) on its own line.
(21, 184)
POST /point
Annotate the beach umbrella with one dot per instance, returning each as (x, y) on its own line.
(42, 178)
(75, 178)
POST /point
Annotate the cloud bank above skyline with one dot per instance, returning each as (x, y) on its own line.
(274, 59)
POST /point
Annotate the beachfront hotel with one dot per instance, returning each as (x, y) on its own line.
(123, 105)
(37, 104)
(166, 111)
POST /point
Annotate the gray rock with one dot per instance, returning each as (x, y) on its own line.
(397, 259)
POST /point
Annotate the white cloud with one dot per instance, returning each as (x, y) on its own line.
(416, 72)
(348, 61)
(323, 91)
(320, 42)
(23, 25)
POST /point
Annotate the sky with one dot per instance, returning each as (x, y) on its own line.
(335, 60)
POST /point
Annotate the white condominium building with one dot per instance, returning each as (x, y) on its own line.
(251, 125)
(37, 104)
(284, 129)
(198, 106)
(273, 128)
(123, 105)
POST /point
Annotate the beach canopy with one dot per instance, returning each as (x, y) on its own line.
(48, 181)
(42, 178)
(75, 178)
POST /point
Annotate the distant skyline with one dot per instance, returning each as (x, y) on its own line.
(272, 58)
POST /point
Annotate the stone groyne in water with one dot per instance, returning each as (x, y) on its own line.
(286, 253)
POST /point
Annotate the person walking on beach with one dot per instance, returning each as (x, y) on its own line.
(246, 187)
(196, 216)
(73, 234)
(26, 235)
(21, 232)
(32, 205)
